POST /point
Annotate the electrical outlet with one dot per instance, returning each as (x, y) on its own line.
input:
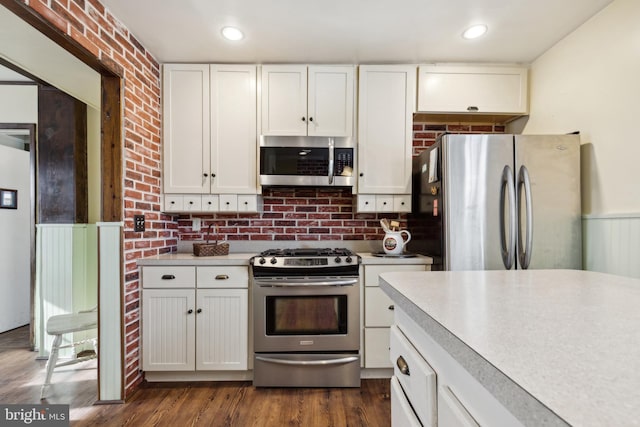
(196, 224)
(138, 223)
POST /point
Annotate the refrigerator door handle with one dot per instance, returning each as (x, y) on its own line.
(508, 186)
(524, 253)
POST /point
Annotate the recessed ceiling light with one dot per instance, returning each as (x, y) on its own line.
(474, 31)
(232, 33)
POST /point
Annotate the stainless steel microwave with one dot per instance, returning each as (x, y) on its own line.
(307, 160)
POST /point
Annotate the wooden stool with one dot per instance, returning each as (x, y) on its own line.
(64, 324)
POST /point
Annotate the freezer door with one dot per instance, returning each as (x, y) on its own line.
(472, 177)
(550, 229)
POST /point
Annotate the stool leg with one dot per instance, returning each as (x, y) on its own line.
(51, 363)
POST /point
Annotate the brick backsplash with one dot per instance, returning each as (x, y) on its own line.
(425, 134)
(301, 213)
(306, 213)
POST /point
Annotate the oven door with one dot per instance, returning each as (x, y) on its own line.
(315, 315)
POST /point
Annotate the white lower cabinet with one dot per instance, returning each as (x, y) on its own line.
(401, 411)
(439, 391)
(378, 313)
(200, 324)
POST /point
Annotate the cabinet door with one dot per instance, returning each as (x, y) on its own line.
(168, 329)
(222, 326)
(402, 414)
(233, 129)
(451, 413)
(330, 101)
(185, 90)
(376, 348)
(460, 89)
(284, 100)
(387, 97)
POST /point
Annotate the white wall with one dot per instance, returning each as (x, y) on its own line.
(590, 82)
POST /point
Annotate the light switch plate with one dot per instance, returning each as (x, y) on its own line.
(138, 223)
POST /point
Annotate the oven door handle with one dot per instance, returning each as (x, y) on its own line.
(288, 284)
(340, 361)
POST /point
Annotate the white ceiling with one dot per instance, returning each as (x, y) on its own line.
(351, 31)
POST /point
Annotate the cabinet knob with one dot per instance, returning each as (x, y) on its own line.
(361, 174)
(190, 311)
(472, 108)
(227, 203)
(304, 119)
(199, 311)
(191, 202)
(403, 366)
(213, 175)
(366, 203)
(310, 119)
(391, 307)
(205, 175)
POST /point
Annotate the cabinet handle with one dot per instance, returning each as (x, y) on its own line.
(199, 311)
(472, 108)
(391, 307)
(402, 365)
(168, 277)
(304, 119)
(222, 277)
(190, 311)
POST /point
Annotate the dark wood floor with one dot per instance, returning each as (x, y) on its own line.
(187, 404)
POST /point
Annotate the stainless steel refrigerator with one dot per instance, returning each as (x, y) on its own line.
(498, 201)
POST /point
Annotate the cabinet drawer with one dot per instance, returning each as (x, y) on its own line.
(402, 414)
(418, 380)
(371, 272)
(378, 308)
(169, 277)
(376, 348)
(384, 203)
(402, 203)
(223, 277)
(173, 203)
(228, 202)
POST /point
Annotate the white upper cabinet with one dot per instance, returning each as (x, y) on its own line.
(210, 130)
(472, 89)
(386, 103)
(233, 129)
(185, 91)
(315, 100)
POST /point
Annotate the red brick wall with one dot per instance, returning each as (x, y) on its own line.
(316, 213)
(99, 32)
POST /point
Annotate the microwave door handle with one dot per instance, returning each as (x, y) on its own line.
(331, 159)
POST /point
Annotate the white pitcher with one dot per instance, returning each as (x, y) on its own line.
(393, 243)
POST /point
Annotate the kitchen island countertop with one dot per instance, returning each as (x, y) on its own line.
(560, 342)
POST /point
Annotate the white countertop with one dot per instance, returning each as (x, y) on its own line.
(243, 259)
(570, 339)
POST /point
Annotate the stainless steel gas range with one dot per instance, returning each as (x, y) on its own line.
(306, 317)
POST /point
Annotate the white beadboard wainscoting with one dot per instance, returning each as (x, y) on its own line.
(110, 339)
(611, 244)
(66, 278)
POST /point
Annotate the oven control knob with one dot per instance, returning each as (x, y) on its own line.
(273, 260)
(262, 261)
(338, 260)
(349, 260)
